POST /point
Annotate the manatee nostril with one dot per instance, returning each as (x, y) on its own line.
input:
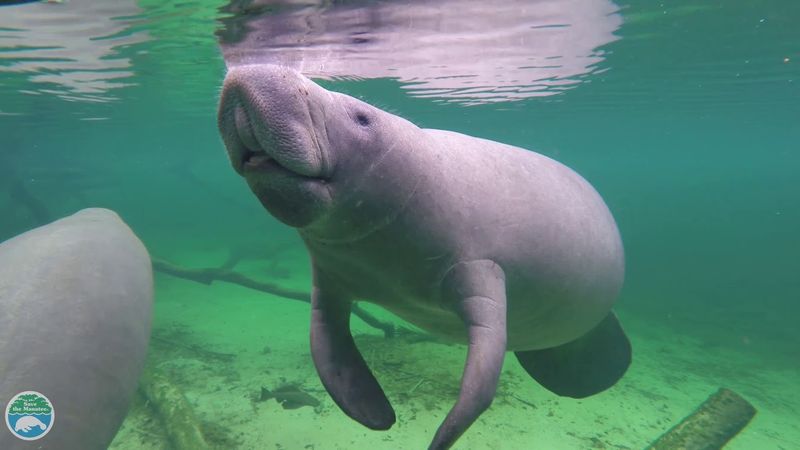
(362, 119)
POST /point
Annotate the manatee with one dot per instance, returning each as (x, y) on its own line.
(75, 311)
(483, 243)
(27, 422)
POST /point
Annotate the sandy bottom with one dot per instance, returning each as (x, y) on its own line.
(221, 343)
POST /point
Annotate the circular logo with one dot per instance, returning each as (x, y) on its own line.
(30, 415)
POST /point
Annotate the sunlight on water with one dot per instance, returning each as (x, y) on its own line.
(70, 50)
(456, 50)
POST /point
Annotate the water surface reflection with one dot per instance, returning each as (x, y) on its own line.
(468, 51)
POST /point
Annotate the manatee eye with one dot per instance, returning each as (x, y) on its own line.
(362, 119)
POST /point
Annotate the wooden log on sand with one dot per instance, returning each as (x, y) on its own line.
(721, 417)
(173, 410)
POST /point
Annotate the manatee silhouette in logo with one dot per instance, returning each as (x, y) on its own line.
(28, 423)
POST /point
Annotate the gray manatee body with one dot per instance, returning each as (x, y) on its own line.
(75, 311)
(491, 245)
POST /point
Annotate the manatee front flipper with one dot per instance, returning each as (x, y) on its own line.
(340, 365)
(476, 291)
(588, 365)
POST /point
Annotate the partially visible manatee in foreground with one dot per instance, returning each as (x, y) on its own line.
(473, 240)
(75, 311)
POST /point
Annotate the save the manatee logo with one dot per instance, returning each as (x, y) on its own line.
(30, 415)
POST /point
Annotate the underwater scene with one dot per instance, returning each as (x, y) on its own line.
(296, 257)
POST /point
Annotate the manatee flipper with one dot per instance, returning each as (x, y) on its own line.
(586, 366)
(341, 368)
(476, 291)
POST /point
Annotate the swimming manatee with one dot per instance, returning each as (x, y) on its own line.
(75, 311)
(480, 242)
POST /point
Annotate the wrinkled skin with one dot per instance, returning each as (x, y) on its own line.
(476, 241)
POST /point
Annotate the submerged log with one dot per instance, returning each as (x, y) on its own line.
(721, 417)
(209, 275)
(176, 415)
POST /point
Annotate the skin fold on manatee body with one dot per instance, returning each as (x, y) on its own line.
(494, 246)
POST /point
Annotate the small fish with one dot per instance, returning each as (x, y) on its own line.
(290, 396)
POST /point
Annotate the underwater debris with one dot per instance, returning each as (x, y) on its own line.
(400, 366)
(289, 395)
(211, 274)
(162, 339)
(718, 420)
(257, 251)
(174, 411)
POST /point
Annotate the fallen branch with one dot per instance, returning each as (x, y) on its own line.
(209, 275)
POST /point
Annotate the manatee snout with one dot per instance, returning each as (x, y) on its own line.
(266, 122)
(272, 123)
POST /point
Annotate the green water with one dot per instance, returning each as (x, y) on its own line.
(688, 128)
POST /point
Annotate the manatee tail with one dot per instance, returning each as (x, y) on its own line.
(586, 366)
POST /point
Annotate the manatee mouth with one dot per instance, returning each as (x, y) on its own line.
(260, 163)
(257, 160)
(266, 155)
(247, 155)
